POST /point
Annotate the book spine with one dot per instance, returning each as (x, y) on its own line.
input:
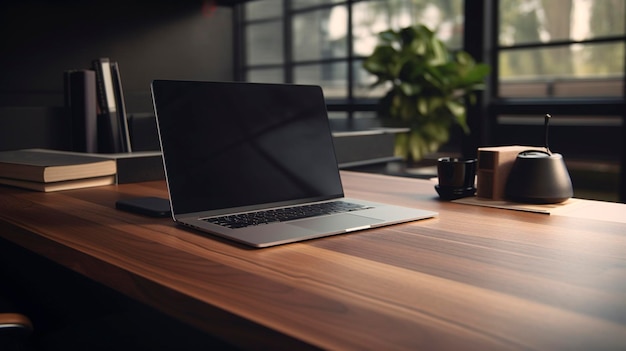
(484, 182)
(80, 100)
(109, 138)
(487, 161)
(121, 107)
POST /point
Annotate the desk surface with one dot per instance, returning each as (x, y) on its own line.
(472, 278)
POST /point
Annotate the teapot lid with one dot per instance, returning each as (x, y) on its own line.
(533, 154)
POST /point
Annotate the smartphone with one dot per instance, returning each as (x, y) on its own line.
(149, 206)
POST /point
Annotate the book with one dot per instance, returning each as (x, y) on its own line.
(80, 102)
(61, 185)
(46, 166)
(121, 107)
(112, 137)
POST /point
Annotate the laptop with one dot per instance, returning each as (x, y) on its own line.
(255, 163)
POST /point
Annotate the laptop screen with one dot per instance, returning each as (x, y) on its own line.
(231, 145)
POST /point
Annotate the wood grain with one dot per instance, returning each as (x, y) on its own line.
(471, 278)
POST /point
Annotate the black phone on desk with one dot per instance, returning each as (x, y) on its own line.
(149, 206)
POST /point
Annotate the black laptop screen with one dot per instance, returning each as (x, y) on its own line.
(230, 145)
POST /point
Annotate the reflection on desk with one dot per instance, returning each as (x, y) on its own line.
(472, 278)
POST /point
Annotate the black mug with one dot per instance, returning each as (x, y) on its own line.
(456, 177)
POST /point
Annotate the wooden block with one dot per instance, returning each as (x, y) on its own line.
(494, 166)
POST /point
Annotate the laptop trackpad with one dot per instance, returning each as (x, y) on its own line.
(336, 223)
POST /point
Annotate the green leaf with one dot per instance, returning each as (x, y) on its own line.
(458, 111)
(401, 145)
(439, 52)
(435, 79)
(464, 58)
(417, 146)
(388, 36)
(476, 74)
(379, 62)
(422, 106)
(409, 89)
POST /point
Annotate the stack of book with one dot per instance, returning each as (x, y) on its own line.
(49, 170)
(95, 100)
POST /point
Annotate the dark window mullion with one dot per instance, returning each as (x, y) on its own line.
(474, 42)
(288, 41)
(614, 39)
(239, 52)
(322, 61)
(494, 61)
(350, 63)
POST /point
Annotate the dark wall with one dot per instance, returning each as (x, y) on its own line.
(156, 39)
(149, 39)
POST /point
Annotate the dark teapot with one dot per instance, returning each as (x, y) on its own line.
(539, 177)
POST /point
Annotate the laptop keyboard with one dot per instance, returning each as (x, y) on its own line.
(284, 214)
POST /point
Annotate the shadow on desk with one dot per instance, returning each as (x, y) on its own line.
(70, 312)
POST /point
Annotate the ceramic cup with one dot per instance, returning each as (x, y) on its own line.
(456, 177)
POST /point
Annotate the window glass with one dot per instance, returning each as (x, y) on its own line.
(264, 43)
(337, 115)
(320, 34)
(299, 4)
(273, 75)
(563, 71)
(332, 77)
(263, 9)
(536, 21)
(373, 17)
(319, 45)
(363, 81)
(567, 69)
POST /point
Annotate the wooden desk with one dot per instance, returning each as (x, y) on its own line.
(472, 278)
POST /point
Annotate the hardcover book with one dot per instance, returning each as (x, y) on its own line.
(46, 166)
(121, 107)
(112, 124)
(62, 185)
(80, 101)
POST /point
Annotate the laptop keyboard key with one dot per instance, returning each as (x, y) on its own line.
(284, 214)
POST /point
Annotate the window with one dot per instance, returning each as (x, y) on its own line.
(263, 41)
(324, 41)
(561, 48)
(566, 58)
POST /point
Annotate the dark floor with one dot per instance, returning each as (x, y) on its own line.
(70, 312)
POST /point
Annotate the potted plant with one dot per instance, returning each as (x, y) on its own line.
(428, 87)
